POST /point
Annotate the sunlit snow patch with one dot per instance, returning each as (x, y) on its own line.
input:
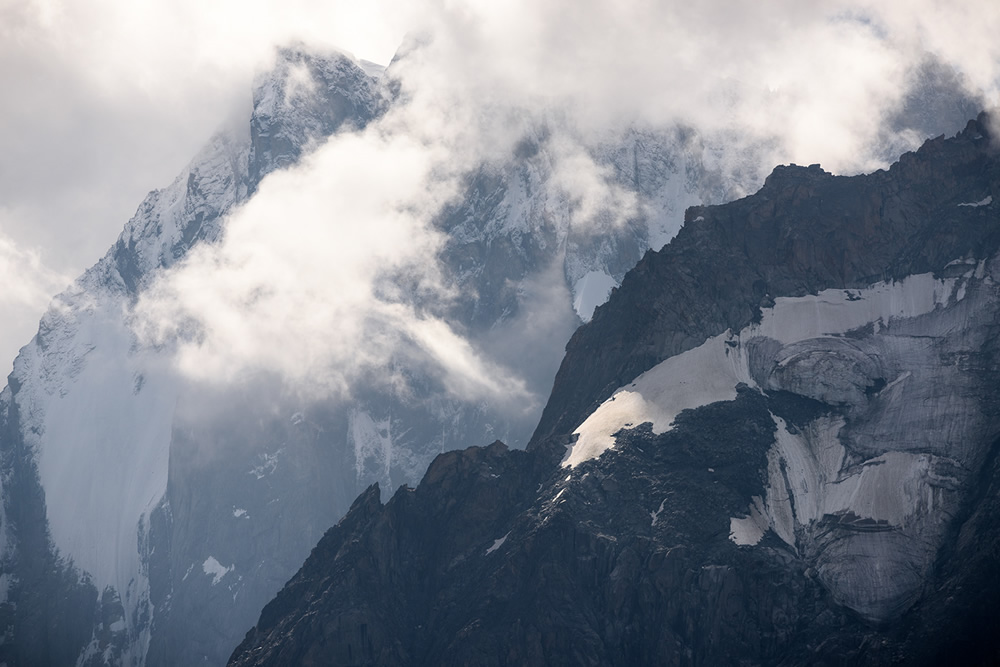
(710, 372)
(704, 375)
(748, 531)
(983, 202)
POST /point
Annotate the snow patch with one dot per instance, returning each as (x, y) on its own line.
(706, 374)
(497, 544)
(591, 291)
(807, 481)
(268, 464)
(710, 372)
(833, 312)
(655, 516)
(748, 531)
(982, 202)
(215, 569)
(240, 512)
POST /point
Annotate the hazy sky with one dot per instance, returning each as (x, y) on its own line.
(102, 101)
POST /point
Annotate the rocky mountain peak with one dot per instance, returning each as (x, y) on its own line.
(805, 231)
(771, 446)
(172, 566)
(305, 98)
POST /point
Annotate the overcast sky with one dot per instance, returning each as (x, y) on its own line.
(102, 101)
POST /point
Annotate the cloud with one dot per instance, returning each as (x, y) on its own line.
(319, 277)
(28, 286)
(103, 101)
(119, 93)
(26, 280)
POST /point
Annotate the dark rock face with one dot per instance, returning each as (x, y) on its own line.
(625, 563)
(506, 557)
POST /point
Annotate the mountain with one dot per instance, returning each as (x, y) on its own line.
(776, 443)
(96, 507)
(148, 518)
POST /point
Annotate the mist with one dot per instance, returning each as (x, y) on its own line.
(330, 271)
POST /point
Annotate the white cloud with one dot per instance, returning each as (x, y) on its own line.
(26, 280)
(103, 101)
(112, 97)
(817, 76)
(306, 282)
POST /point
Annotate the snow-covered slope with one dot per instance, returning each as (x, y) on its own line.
(95, 407)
